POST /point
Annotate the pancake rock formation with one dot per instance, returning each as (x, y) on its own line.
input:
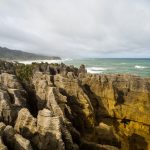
(50, 106)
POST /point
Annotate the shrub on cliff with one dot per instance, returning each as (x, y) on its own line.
(24, 72)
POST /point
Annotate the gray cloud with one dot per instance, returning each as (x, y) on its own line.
(77, 28)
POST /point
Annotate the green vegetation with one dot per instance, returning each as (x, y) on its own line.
(24, 72)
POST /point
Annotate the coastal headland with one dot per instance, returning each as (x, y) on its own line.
(54, 106)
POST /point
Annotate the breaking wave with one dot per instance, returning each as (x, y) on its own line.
(140, 67)
(96, 69)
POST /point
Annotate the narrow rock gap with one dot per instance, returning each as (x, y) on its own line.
(12, 99)
(77, 122)
(96, 103)
(31, 99)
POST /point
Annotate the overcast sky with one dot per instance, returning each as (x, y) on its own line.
(77, 28)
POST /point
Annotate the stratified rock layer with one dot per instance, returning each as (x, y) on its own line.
(63, 107)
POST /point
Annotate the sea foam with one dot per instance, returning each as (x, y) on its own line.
(140, 67)
(96, 69)
(44, 61)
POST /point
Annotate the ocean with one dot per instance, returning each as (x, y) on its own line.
(135, 66)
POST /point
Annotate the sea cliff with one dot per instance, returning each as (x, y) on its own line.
(54, 106)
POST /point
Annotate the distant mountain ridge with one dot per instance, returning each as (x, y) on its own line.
(9, 54)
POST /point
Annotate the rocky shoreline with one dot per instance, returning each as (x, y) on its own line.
(51, 106)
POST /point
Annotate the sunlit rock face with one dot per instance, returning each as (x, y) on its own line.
(123, 104)
(61, 107)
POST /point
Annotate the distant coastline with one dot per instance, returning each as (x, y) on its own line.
(17, 55)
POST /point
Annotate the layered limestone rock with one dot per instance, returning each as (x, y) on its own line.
(12, 97)
(62, 107)
(42, 82)
(123, 93)
(10, 81)
(55, 103)
(124, 99)
(44, 132)
(94, 98)
(77, 99)
(49, 128)
(10, 139)
(15, 141)
(26, 124)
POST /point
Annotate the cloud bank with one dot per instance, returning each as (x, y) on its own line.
(77, 28)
